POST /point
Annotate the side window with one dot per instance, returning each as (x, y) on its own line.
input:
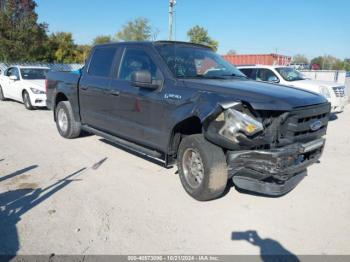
(101, 61)
(135, 60)
(13, 71)
(249, 72)
(9, 71)
(265, 75)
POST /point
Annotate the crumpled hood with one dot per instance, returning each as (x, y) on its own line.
(38, 84)
(261, 96)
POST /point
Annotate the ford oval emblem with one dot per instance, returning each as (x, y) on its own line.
(316, 125)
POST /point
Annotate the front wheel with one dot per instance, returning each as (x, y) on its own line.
(65, 122)
(26, 101)
(202, 168)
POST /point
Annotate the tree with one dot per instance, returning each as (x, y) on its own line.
(199, 35)
(327, 62)
(300, 59)
(231, 52)
(22, 38)
(347, 65)
(338, 65)
(136, 30)
(102, 39)
(61, 47)
(82, 53)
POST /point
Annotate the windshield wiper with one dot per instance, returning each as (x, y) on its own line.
(201, 77)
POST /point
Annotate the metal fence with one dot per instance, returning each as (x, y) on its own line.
(347, 86)
(326, 75)
(54, 67)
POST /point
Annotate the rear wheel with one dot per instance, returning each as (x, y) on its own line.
(202, 168)
(26, 101)
(2, 97)
(65, 122)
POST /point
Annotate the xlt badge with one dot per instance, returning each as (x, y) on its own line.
(172, 96)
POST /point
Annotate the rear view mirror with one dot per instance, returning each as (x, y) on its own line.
(143, 78)
(13, 77)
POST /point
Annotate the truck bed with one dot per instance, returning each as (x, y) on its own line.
(67, 81)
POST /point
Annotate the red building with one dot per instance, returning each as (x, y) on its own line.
(261, 59)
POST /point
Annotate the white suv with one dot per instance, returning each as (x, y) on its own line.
(288, 76)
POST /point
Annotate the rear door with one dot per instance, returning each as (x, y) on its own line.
(95, 97)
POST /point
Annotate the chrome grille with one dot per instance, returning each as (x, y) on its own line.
(339, 91)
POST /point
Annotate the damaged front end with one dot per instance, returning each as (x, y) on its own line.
(268, 151)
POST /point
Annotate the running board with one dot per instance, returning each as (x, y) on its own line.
(123, 143)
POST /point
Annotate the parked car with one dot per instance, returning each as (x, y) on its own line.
(25, 84)
(184, 104)
(347, 74)
(288, 76)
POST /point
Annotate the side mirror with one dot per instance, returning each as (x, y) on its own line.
(273, 79)
(13, 77)
(143, 78)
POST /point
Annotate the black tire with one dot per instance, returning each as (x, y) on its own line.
(214, 168)
(26, 101)
(2, 97)
(72, 129)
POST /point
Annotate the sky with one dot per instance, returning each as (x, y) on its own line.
(309, 27)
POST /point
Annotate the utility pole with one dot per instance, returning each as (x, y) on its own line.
(172, 4)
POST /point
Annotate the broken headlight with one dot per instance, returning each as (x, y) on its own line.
(237, 122)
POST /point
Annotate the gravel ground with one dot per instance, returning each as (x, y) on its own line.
(86, 196)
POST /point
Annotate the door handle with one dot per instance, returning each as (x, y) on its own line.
(84, 88)
(114, 93)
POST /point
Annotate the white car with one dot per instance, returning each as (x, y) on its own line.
(288, 76)
(25, 84)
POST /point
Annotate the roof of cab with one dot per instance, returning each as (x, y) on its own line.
(260, 66)
(150, 43)
(30, 67)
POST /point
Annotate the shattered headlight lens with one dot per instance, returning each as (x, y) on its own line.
(236, 122)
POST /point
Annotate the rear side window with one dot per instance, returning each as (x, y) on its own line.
(101, 62)
(13, 71)
(249, 72)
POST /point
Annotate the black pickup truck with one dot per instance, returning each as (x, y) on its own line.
(182, 103)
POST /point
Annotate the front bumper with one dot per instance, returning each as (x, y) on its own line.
(276, 171)
(338, 104)
(38, 100)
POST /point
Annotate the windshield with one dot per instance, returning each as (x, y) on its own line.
(33, 73)
(194, 62)
(290, 74)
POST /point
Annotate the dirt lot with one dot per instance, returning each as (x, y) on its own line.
(86, 196)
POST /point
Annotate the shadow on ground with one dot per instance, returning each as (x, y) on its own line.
(333, 117)
(15, 203)
(270, 250)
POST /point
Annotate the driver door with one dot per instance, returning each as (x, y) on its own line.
(138, 111)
